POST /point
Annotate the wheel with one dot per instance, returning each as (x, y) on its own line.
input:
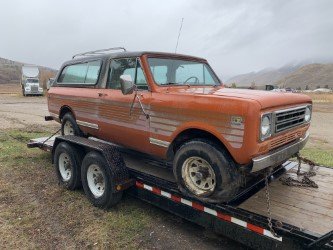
(97, 181)
(205, 171)
(69, 126)
(67, 161)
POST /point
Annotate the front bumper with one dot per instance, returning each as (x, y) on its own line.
(31, 92)
(278, 156)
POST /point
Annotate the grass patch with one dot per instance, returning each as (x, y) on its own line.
(321, 156)
(321, 97)
(36, 212)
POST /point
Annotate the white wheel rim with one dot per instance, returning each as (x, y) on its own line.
(65, 166)
(198, 175)
(96, 180)
(68, 128)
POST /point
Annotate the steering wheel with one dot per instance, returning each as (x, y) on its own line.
(194, 77)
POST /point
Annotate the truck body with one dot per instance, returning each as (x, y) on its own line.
(30, 81)
(180, 112)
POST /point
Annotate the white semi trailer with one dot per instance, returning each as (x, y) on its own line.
(30, 81)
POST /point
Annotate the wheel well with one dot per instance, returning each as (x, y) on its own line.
(63, 111)
(191, 134)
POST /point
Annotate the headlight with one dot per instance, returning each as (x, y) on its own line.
(27, 88)
(307, 116)
(265, 128)
(40, 89)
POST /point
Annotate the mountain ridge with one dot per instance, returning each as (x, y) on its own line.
(298, 76)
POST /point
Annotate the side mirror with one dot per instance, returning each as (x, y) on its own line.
(127, 85)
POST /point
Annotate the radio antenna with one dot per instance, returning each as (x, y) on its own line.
(180, 29)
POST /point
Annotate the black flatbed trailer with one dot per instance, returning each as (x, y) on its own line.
(242, 219)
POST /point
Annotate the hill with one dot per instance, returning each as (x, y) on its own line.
(10, 72)
(312, 76)
(263, 77)
(296, 76)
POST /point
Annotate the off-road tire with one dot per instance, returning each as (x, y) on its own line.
(75, 158)
(109, 198)
(68, 117)
(228, 178)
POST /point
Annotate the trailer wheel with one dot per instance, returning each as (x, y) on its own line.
(67, 161)
(97, 181)
(205, 171)
(69, 126)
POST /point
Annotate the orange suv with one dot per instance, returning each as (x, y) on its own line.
(174, 107)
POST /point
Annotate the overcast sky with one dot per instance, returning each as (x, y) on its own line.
(235, 36)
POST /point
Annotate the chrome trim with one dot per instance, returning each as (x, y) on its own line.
(291, 109)
(273, 121)
(279, 155)
(87, 124)
(159, 142)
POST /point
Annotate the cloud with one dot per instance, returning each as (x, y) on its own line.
(235, 36)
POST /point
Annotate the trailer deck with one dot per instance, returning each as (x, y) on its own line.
(307, 208)
(301, 216)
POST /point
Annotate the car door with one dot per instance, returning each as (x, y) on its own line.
(122, 119)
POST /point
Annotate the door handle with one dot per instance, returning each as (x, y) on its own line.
(101, 94)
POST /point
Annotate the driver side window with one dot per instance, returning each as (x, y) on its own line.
(126, 66)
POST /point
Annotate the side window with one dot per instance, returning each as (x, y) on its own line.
(125, 66)
(160, 73)
(93, 72)
(74, 73)
(81, 73)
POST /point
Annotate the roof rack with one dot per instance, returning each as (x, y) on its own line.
(98, 52)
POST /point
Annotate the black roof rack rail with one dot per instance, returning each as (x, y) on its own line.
(99, 52)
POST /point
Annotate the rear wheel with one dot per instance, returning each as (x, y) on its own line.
(97, 181)
(205, 171)
(67, 161)
(69, 126)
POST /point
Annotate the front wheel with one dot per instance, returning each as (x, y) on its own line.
(205, 171)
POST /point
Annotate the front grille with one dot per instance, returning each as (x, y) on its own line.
(290, 118)
(34, 89)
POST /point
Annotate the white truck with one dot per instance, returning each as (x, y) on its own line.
(30, 81)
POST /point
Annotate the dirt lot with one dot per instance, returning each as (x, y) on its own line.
(37, 213)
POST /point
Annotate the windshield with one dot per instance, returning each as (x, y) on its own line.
(181, 72)
(32, 80)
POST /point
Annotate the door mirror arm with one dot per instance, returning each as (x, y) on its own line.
(136, 96)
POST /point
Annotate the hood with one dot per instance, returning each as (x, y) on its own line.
(266, 99)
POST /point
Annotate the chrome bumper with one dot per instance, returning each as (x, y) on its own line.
(279, 155)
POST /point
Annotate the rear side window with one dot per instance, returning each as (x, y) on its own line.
(81, 73)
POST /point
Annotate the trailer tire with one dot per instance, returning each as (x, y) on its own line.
(67, 161)
(205, 171)
(69, 125)
(97, 181)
